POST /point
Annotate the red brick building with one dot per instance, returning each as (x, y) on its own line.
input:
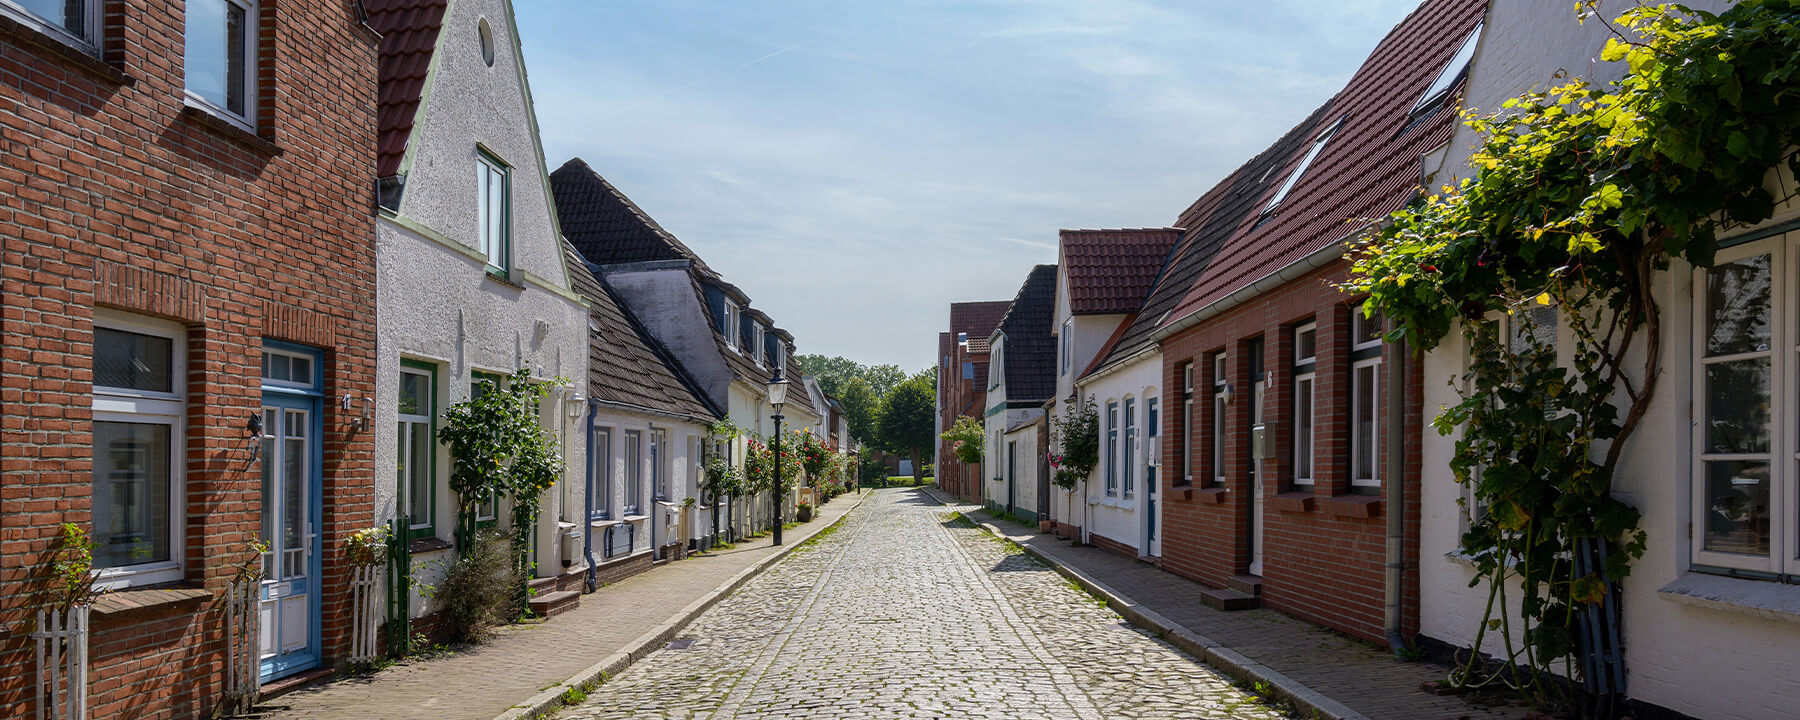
(962, 386)
(188, 332)
(1264, 345)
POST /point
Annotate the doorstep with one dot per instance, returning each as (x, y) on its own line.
(291, 683)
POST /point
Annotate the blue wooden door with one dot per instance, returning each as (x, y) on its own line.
(291, 499)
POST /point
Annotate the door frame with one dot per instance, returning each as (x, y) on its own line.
(312, 401)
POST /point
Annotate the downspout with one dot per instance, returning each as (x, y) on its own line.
(587, 529)
(655, 504)
(1396, 499)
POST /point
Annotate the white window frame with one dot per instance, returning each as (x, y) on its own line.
(659, 476)
(312, 362)
(1187, 421)
(406, 422)
(603, 485)
(1783, 455)
(781, 353)
(1128, 455)
(1112, 448)
(730, 329)
(496, 250)
(758, 345)
(1293, 178)
(1446, 78)
(126, 405)
(1068, 345)
(1217, 442)
(91, 17)
(634, 474)
(252, 25)
(1356, 404)
(1306, 385)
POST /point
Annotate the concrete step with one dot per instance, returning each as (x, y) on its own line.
(543, 585)
(1246, 584)
(549, 605)
(1227, 599)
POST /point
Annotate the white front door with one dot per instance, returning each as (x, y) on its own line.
(289, 590)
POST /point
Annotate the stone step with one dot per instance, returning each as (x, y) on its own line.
(549, 605)
(1246, 584)
(543, 585)
(1228, 600)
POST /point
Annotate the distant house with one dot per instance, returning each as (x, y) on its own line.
(1102, 281)
(1021, 378)
(962, 387)
(725, 347)
(470, 263)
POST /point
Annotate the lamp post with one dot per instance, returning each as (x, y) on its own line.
(778, 397)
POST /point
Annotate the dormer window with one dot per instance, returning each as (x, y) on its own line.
(1447, 77)
(1312, 154)
(729, 325)
(781, 353)
(759, 350)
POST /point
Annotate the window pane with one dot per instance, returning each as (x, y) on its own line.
(1537, 325)
(133, 361)
(1368, 329)
(300, 370)
(1737, 507)
(132, 478)
(235, 48)
(415, 394)
(481, 208)
(1305, 344)
(1218, 436)
(70, 15)
(268, 487)
(1737, 406)
(417, 457)
(1737, 306)
(1363, 454)
(216, 52)
(1303, 429)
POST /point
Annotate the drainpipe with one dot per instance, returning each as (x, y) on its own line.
(655, 504)
(1395, 500)
(587, 528)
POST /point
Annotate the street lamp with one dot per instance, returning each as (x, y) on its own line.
(777, 397)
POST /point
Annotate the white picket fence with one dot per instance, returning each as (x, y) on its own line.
(62, 654)
(243, 643)
(365, 612)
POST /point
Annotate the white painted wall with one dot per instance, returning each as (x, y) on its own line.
(652, 522)
(1707, 657)
(1117, 517)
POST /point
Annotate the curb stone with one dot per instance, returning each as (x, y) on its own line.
(1309, 702)
(550, 699)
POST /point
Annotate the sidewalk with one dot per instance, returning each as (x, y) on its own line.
(524, 669)
(1321, 672)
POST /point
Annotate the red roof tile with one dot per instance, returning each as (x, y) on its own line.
(409, 32)
(1112, 271)
(978, 320)
(1369, 168)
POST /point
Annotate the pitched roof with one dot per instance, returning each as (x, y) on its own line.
(1112, 271)
(1214, 217)
(1369, 168)
(977, 321)
(607, 227)
(409, 33)
(1030, 354)
(626, 365)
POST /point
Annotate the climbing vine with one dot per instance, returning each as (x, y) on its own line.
(1581, 194)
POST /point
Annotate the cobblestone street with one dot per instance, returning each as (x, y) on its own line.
(906, 612)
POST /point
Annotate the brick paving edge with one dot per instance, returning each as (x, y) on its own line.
(550, 700)
(1228, 661)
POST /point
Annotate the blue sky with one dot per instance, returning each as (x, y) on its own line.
(856, 167)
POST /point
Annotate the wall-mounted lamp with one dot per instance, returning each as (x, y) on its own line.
(573, 402)
(367, 420)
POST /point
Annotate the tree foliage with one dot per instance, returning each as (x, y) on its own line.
(861, 405)
(1580, 194)
(834, 373)
(1075, 436)
(966, 438)
(908, 416)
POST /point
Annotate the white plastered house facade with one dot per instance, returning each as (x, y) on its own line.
(1010, 455)
(471, 284)
(645, 469)
(1710, 617)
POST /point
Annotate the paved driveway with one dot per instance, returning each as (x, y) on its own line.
(904, 612)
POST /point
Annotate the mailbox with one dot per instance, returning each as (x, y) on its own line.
(1259, 447)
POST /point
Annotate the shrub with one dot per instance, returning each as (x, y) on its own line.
(477, 593)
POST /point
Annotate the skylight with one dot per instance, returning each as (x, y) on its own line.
(1452, 71)
(1311, 154)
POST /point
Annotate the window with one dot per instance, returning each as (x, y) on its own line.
(601, 485)
(221, 43)
(485, 33)
(1068, 343)
(1746, 455)
(781, 354)
(659, 477)
(138, 406)
(634, 472)
(1187, 422)
(1312, 153)
(996, 367)
(968, 371)
(1218, 418)
(759, 350)
(1112, 448)
(1306, 362)
(1447, 77)
(1538, 327)
(493, 211)
(418, 445)
(1365, 399)
(73, 19)
(1128, 456)
(487, 510)
(729, 326)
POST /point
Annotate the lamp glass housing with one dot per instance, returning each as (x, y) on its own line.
(778, 393)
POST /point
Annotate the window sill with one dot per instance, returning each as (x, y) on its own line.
(427, 544)
(1211, 495)
(1354, 506)
(502, 279)
(1757, 598)
(1297, 501)
(635, 518)
(63, 50)
(136, 601)
(602, 523)
(229, 130)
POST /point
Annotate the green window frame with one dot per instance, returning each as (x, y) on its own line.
(487, 512)
(422, 418)
(493, 211)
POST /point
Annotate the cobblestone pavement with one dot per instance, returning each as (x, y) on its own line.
(906, 613)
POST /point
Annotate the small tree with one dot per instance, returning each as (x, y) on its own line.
(907, 415)
(966, 437)
(1076, 437)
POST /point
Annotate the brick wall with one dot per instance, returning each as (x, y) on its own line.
(121, 198)
(961, 398)
(1323, 547)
